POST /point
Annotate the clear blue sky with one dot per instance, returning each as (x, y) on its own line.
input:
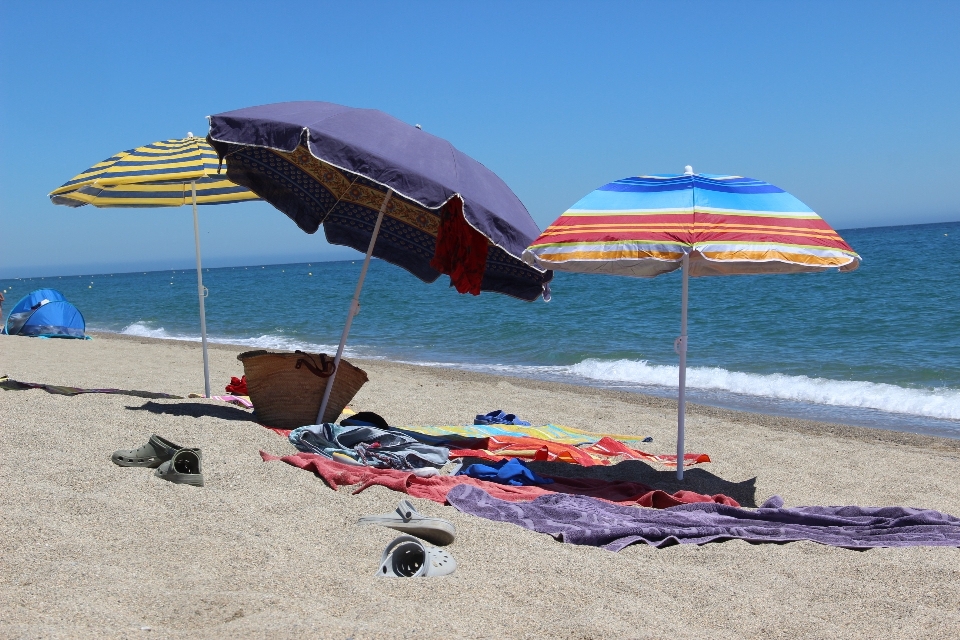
(854, 107)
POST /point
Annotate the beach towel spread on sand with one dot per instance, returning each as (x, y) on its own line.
(240, 401)
(436, 488)
(15, 385)
(603, 452)
(582, 520)
(9, 384)
(550, 432)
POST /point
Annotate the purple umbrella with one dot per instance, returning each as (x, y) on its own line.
(380, 185)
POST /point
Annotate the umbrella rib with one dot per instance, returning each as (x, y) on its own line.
(340, 197)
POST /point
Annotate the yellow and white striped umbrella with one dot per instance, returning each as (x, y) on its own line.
(171, 173)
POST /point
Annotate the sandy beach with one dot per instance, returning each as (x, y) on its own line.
(90, 549)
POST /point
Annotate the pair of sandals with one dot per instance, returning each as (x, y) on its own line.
(499, 417)
(408, 556)
(180, 465)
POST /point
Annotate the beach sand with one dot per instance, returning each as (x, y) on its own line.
(90, 549)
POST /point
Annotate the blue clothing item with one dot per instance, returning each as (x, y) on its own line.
(499, 417)
(513, 472)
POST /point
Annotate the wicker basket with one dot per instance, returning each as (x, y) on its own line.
(286, 389)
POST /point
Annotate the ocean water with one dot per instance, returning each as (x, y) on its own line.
(877, 347)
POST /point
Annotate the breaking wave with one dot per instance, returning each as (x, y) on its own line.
(277, 342)
(943, 403)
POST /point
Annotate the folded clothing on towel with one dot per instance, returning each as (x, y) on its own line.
(237, 386)
(372, 446)
(513, 472)
(435, 488)
(583, 520)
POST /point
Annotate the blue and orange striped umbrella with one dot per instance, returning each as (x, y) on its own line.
(724, 225)
(170, 173)
(701, 223)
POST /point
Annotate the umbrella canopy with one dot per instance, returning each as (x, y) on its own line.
(170, 173)
(323, 163)
(726, 225)
(154, 175)
(378, 184)
(703, 224)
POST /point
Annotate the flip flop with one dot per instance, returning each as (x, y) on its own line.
(157, 451)
(182, 468)
(493, 417)
(407, 557)
(408, 520)
(499, 417)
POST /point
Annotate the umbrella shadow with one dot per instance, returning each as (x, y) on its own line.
(197, 410)
(694, 478)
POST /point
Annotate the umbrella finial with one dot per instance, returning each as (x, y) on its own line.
(688, 170)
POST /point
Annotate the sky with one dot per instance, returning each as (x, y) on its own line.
(850, 106)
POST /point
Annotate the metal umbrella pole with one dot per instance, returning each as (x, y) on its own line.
(354, 307)
(202, 293)
(680, 346)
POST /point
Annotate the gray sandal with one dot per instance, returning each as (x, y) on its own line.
(410, 521)
(407, 557)
(182, 468)
(157, 451)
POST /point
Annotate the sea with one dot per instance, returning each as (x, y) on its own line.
(878, 347)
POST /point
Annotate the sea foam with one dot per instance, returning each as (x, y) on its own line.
(142, 330)
(278, 342)
(941, 403)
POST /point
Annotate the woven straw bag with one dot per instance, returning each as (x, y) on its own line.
(286, 389)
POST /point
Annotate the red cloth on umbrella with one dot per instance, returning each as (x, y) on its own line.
(435, 488)
(461, 250)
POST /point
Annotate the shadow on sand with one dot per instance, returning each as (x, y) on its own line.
(197, 410)
(694, 478)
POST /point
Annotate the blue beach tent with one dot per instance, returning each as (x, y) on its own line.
(45, 313)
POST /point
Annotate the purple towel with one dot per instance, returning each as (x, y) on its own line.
(583, 520)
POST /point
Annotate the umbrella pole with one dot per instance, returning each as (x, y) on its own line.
(354, 306)
(201, 291)
(681, 349)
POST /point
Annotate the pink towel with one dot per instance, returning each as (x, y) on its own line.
(435, 488)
